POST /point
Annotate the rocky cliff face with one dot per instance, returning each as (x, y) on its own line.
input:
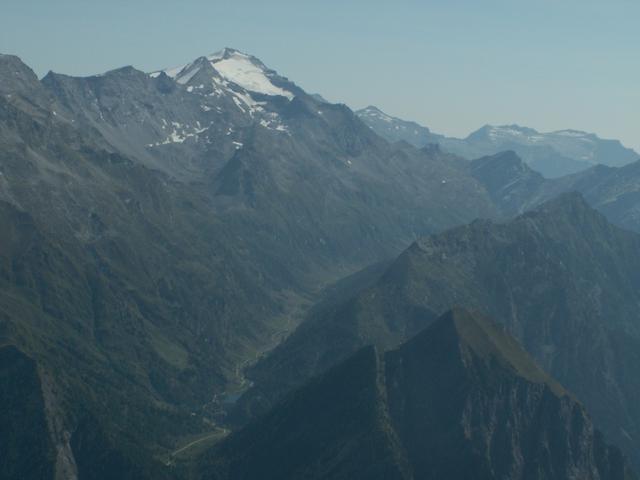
(461, 400)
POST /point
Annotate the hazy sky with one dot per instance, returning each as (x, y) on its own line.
(453, 65)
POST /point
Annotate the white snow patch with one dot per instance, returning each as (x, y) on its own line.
(180, 134)
(243, 100)
(274, 123)
(238, 67)
(243, 70)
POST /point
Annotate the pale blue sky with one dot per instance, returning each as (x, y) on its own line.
(452, 65)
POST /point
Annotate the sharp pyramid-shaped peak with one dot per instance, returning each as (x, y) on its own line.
(469, 331)
(200, 66)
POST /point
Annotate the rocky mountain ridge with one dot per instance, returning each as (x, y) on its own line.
(460, 400)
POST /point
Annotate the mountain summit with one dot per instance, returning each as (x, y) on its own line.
(230, 65)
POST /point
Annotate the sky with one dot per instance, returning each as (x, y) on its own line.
(452, 65)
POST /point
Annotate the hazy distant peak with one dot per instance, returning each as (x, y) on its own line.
(374, 112)
(500, 132)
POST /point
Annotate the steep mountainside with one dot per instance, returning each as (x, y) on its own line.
(461, 400)
(553, 154)
(561, 279)
(159, 231)
(23, 423)
(511, 183)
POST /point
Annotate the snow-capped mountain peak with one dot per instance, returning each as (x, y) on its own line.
(236, 67)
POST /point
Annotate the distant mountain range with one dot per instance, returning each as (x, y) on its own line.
(552, 154)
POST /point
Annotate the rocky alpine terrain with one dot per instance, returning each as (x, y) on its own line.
(173, 240)
(160, 230)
